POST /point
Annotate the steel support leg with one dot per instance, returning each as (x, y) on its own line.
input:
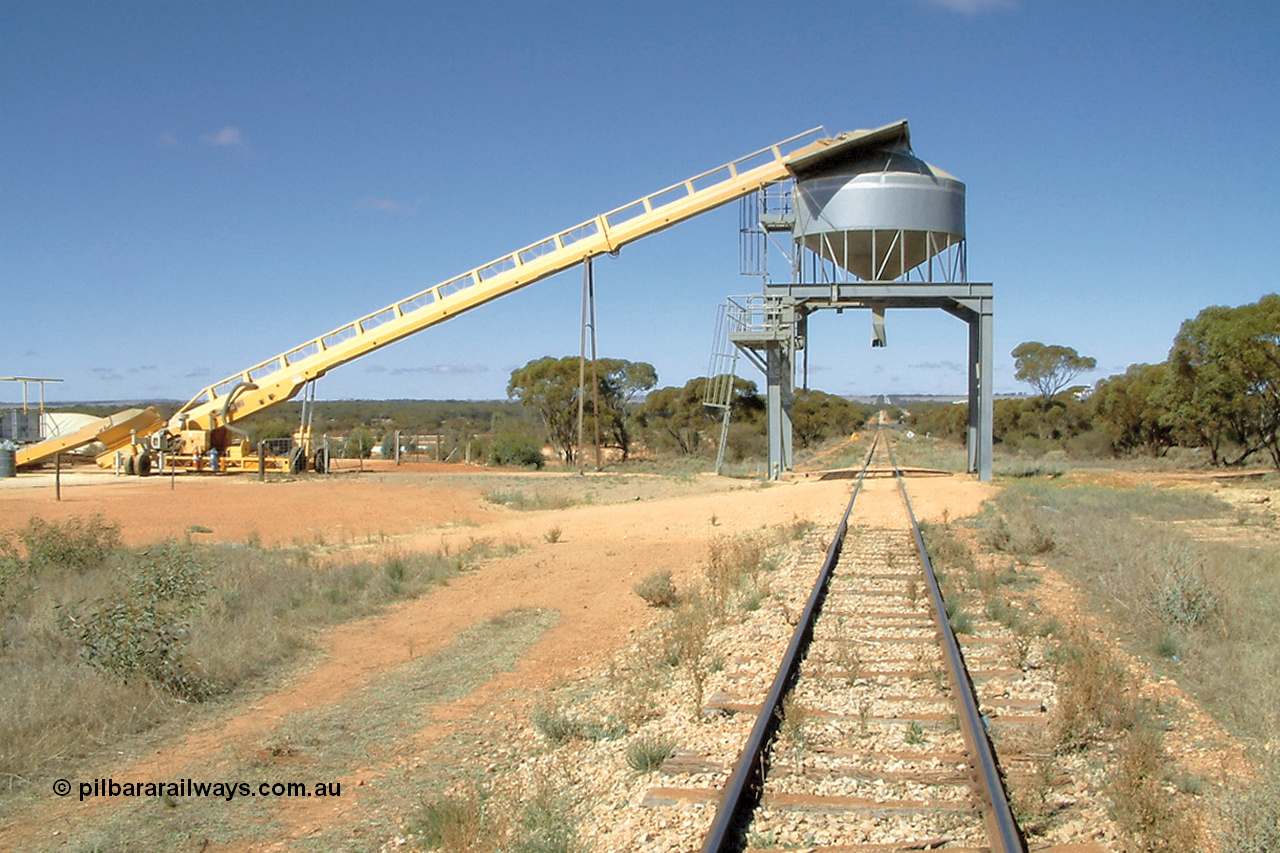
(981, 406)
(780, 377)
(975, 400)
(986, 394)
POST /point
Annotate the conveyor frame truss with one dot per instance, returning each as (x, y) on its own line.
(280, 377)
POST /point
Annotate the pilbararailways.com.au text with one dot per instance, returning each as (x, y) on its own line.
(191, 788)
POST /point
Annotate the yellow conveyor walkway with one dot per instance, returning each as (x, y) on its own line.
(280, 378)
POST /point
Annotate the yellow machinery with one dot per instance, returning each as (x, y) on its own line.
(202, 423)
(114, 431)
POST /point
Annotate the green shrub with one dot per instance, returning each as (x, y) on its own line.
(12, 571)
(1017, 533)
(516, 449)
(1183, 599)
(169, 574)
(145, 633)
(753, 592)
(1167, 645)
(360, 444)
(74, 544)
(961, 620)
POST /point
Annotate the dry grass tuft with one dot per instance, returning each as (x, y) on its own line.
(1148, 814)
(658, 590)
(489, 819)
(646, 753)
(1095, 693)
(1249, 820)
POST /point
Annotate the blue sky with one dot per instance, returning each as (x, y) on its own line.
(187, 189)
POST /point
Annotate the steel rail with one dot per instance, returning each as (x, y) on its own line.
(1003, 833)
(742, 792)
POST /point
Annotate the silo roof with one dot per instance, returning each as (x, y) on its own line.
(851, 145)
(847, 146)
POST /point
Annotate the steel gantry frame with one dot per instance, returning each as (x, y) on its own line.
(771, 328)
(971, 302)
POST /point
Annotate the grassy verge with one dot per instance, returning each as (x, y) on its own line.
(1100, 732)
(99, 642)
(921, 452)
(535, 498)
(634, 481)
(1202, 612)
(363, 734)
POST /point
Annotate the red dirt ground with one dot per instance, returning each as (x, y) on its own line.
(587, 576)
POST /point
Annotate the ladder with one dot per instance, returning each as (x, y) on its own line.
(721, 373)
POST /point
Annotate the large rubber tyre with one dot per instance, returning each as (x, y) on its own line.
(320, 461)
(128, 466)
(297, 461)
(144, 464)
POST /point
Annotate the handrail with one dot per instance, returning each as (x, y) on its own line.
(607, 232)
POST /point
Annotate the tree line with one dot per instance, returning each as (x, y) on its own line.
(672, 420)
(542, 411)
(1218, 390)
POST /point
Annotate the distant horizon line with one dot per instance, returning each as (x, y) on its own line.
(145, 401)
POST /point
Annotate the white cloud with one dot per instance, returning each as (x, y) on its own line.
(168, 139)
(974, 7)
(106, 374)
(443, 369)
(952, 366)
(386, 205)
(228, 136)
(458, 368)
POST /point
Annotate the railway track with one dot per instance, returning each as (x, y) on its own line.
(870, 738)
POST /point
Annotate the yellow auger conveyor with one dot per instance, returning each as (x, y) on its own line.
(199, 425)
